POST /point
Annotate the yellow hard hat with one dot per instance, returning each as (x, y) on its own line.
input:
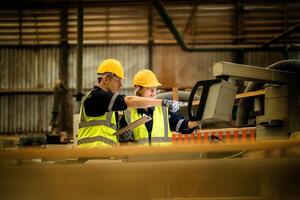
(145, 78)
(112, 66)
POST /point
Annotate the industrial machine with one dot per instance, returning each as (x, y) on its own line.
(276, 105)
(216, 101)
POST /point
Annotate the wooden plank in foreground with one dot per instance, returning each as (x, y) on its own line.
(30, 153)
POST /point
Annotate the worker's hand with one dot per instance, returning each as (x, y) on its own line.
(194, 124)
(126, 137)
(172, 105)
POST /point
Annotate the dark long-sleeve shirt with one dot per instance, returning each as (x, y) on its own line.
(97, 103)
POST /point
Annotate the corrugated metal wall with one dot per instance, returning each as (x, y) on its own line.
(294, 55)
(32, 68)
(124, 23)
(133, 58)
(25, 113)
(27, 68)
(35, 68)
(108, 29)
(262, 58)
(175, 67)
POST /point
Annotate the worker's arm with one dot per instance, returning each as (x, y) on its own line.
(99, 102)
(141, 102)
(181, 125)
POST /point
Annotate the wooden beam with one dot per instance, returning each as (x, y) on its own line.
(175, 93)
(29, 153)
(250, 94)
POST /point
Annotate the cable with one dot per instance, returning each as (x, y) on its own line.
(235, 155)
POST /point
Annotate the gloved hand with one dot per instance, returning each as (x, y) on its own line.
(126, 137)
(172, 105)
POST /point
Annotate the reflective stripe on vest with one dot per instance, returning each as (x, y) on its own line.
(97, 123)
(81, 107)
(143, 141)
(127, 116)
(95, 139)
(166, 127)
(112, 101)
(109, 114)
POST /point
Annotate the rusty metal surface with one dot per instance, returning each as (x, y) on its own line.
(212, 22)
(175, 67)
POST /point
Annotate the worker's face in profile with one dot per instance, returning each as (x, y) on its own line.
(114, 84)
(149, 92)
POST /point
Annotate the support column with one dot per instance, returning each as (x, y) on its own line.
(150, 36)
(239, 33)
(66, 106)
(79, 53)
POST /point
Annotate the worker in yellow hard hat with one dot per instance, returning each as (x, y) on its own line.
(164, 119)
(98, 116)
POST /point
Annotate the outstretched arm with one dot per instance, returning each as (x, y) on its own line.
(181, 125)
(141, 102)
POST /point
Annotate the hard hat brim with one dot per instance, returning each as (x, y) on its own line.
(151, 85)
(101, 76)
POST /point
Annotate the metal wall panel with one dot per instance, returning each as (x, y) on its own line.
(294, 55)
(263, 58)
(27, 68)
(25, 113)
(133, 58)
(175, 67)
(30, 68)
(38, 67)
(208, 22)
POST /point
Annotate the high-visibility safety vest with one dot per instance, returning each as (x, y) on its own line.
(160, 134)
(97, 131)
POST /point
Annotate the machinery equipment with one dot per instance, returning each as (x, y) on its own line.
(216, 101)
(277, 113)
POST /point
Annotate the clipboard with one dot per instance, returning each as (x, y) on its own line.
(133, 125)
